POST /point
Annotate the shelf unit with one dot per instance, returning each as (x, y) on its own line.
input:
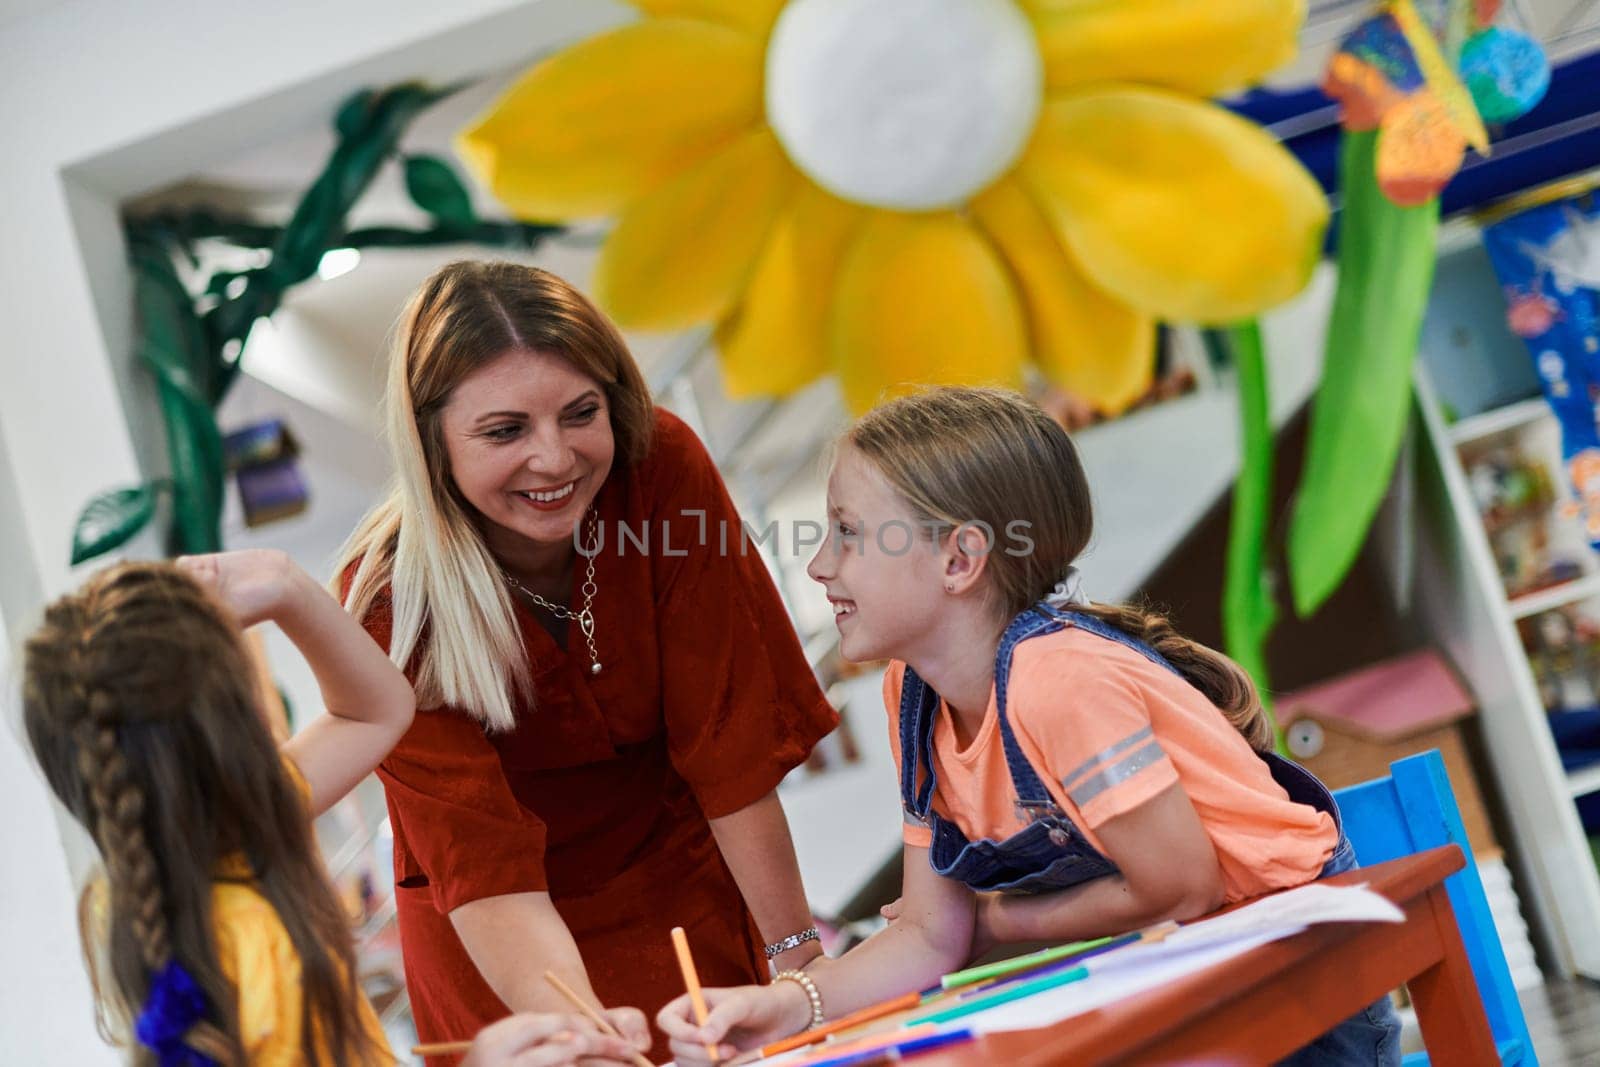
(1558, 596)
(1460, 599)
(1513, 416)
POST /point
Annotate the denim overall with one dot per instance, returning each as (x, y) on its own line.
(1050, 853)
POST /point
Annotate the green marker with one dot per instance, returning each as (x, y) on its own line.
(1019, 963)
(1003, 996)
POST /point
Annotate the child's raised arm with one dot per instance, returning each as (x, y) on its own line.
(369, 702)
(931, 937)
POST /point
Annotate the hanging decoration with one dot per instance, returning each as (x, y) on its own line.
(264, 460)
(1548, 260)
(1415, 83)
(1391, 171)
(191, 335)
(1427, 76)
(922, 191)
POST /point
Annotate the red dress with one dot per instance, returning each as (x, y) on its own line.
(601, 793)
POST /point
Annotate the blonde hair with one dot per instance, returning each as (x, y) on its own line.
(990, 458)
(452, 615)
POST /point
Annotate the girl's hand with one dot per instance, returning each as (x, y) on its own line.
(253, 583)
(632, 1025)
(740, 1018)
(549, 1040)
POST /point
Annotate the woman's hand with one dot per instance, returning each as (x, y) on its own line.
(740, 1018)
(253, 583)
(538, 1039)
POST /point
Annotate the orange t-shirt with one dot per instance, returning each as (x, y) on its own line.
(1107, 730)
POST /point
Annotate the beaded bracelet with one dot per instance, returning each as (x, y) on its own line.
(803, 980)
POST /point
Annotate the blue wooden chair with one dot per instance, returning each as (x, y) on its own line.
(1414, 809)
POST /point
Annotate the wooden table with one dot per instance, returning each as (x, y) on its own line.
(1265, 1003)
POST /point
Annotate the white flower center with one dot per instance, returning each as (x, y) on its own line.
(903, 104)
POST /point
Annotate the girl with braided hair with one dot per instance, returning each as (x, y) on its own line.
(213, 934)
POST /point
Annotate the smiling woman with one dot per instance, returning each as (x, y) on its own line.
(557, 806)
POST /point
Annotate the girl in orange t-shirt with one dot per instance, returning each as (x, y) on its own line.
(1068, 770)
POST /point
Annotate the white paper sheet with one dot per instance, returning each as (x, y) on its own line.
(1139, 968)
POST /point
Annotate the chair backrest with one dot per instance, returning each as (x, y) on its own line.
(1414, 809)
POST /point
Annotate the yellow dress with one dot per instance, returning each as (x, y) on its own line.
(258, 957)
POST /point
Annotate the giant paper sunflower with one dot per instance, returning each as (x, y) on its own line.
(905, 191)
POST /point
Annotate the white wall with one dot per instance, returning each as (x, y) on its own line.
(101, 100)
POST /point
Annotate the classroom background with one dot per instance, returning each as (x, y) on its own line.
(1360, 456)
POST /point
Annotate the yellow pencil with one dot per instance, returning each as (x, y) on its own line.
(589, 1013)
(442, 1048)
(692, 980)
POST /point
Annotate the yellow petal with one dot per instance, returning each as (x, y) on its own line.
(777, 341)
(923, 299)
(596, 125)
(1206, 47)
(752, 16)
(682, 254)
(1092, 345)
(1179, 208)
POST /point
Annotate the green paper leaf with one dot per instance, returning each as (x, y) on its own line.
(434, 187)
(1386, 261)
(110, 519)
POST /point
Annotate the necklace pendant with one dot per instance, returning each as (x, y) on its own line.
(594, 668)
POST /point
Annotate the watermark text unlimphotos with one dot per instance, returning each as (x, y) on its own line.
(692, 532)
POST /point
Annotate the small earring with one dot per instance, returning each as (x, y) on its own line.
(950, 587)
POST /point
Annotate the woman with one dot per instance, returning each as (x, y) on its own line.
(613, 691)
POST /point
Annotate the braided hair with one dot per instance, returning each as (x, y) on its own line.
(139, 705)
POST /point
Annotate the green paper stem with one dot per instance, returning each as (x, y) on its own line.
(1386, 261)
(1249, 608)
(175, 349)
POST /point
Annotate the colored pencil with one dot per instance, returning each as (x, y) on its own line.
(1004, 996)
(441, 1048)
(589, 1013)
(897, 1051)
(827, 1030)
(1001, 968)
(874, 1042)
(691, 979)
(1060, 954)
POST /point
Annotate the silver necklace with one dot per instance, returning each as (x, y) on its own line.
(585, 617)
